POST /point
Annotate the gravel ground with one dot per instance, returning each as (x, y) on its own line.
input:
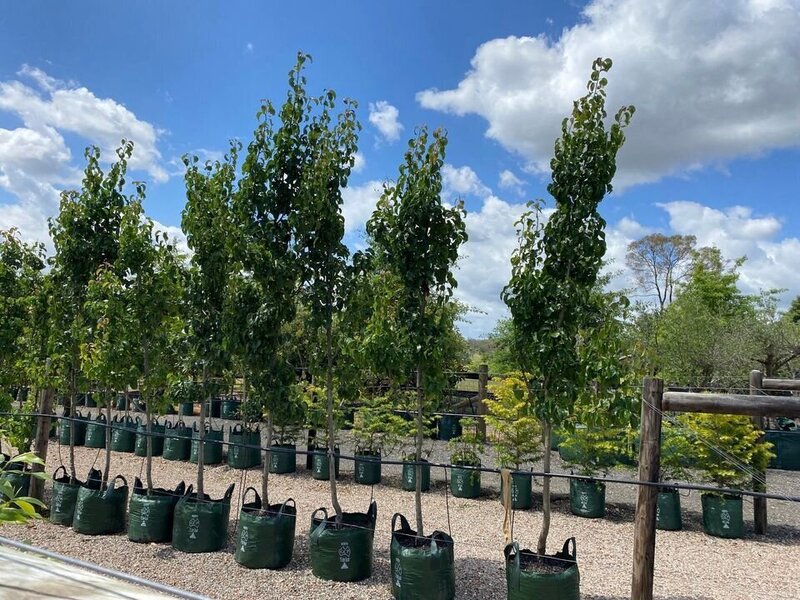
(689, 564)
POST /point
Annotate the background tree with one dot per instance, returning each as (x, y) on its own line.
(85, 236)
(660, 263)
(556, 265)
(418, 238)
(207, 223)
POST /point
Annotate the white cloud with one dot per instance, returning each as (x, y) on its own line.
(711, 81)
(175, 236)
(359, 162)
(384, 117)
(359, 203)
(461, 181)
(509, 181)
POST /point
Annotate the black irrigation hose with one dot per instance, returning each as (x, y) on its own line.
(482, 469)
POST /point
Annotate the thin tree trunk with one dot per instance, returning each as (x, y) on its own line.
(418, 454)
(541, 547)
(331, 432)
(107, 468)
(202, 433)
(148, 419)
(73, 399)
(267, 463)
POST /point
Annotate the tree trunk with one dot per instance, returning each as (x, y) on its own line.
(267, 462)
(107, 468)
(418, 454)
(73, 399)
(42, 436)
(202, 433)
(331, 432)
(541, 547)
(148, 420)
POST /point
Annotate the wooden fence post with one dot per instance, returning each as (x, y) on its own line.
(759, 477)
(644, 540)
(45, 405)
(483, 382)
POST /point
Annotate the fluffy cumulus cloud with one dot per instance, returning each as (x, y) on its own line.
(461, 181)
(509, 181)
(386, 119)
(711, 81)
(359, 203)
(36, 162)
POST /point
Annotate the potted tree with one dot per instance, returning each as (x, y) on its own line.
(554, 270)
(516, 435)
(418, 237)
(738, 441)
(465, 482)
(377, 430)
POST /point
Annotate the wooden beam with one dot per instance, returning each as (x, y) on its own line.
(483, 382)
(732, 404)
(789, 385)
(644, 533)
(759, 477)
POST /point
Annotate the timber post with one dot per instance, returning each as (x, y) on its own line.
(759, 477)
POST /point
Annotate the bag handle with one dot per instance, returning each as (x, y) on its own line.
(323, 510)
(189, 490)
(180, 489)
(236, 429)
(565, 550)
(124, 481)
(138, 421)
(258, 498)
(61, 468)
(229, 493)
(514, 575)
(372, 512)
(403, 522)
(314, 537)
(100, 417)
(283, 506)
(137, 484)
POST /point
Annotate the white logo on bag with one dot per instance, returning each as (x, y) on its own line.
(583, 498)
(194, 526)
(514, 491)
(726, 518)
(59, 500)
(460, 482)
(145, 514)
(361, 470)
(245, 538)
(398, 574)
(658, 513)
(344, 554)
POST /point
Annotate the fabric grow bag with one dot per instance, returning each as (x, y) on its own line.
(524, 582)
(212, 446)
(283, 458)
(100, 511)
(80, 429)
(156, 432)
(722, 515)
(123, 434)
(65, 495)
(201, 525)
(421, 567)
(465, 483)
(449, 427)
(150, 517)
(177, 441)
(320, 465)
(230, 409)
(244, 449)
(410, 476)
(668, 510)
(214, 408)
(587, 498)
(265, 538)
(18, 477)
(342, 552)
(521, 491)
(786, 446)
(96, 432)
(186, 409)
(367, 468)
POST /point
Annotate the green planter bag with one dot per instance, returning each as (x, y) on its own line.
(96, 432)
(19, 479)
(367, 468)
(150, 517)
(465, 483)
(521, 490)
(120, 402)
(65, 495)
(212, 447)
(587, 498)
(421, 567)
(186, 409)
(80, 429)
(668, 510)
(283, 458)
(214, 408)
(101, 511)
(449, 427)
(244, 448)
(201, 525)
(320, 467)
(230, 409)
(157, 433)
(786, 446)
(123, 434)
(265, 538)
(344, 552)
(560, 582)
(410, 476)
(722, 516)
(177, 441)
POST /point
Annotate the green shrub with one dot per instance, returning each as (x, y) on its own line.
(514, 431)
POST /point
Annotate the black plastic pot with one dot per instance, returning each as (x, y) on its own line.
(150, 517)
(244, 449)
(342, 552)
(367, 468)
(320, 465)
(722, 515)
(668, 510)
(410, 476)
(521, 491)
(65, 495)
(101, 510)
(212, 446)
(587, 498)
(465, 483)
(123, 434)
(96, 432)
(157, 433)
(559, 579)
(265, 538)
(201, 525)
(283, 458)
(177, 441)
(421, 567)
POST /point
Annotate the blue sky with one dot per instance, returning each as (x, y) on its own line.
(713, 150)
